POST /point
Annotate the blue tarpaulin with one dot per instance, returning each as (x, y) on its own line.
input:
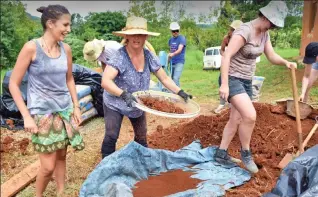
(299, 177)
(117, 174)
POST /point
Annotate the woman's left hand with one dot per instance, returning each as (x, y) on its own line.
(77, 115)
(291, 64)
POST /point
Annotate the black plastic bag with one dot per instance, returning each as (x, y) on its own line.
(86, 76)
(299, 177)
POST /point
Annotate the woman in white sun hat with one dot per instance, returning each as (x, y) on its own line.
(248, 42)
(128, 72)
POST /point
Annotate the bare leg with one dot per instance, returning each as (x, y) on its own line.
(230, 128)
(45, 172)
(60, 170)
(248, 115)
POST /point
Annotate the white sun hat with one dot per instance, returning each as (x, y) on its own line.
(275, 12)
(135, 25)
(174, 26)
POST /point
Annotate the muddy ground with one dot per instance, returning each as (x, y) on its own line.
(274, 136)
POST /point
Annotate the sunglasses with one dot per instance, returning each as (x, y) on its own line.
(174, 31)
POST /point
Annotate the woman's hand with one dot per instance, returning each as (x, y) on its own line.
(291, 64)
(77, 115)
(184, 95)
(224, 92)
(29, 125)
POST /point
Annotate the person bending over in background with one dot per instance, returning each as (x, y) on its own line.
(311, 70)
(177, 45)
(128, 72)
(225, 42)
(52, 113)
(100, 50)
(248, 42)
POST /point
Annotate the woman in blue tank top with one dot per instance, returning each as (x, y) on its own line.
(52, 112)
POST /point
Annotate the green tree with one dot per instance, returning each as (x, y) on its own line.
(16, 29)
(166, 12)
(145, 9)
(101, 25)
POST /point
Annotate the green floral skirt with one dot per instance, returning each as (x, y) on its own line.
(56, 131)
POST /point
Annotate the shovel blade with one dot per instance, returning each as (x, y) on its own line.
(288, 157)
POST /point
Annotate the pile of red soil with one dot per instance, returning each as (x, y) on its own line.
(8, 144)
(274, 135)
(161, 105)
(165, 184)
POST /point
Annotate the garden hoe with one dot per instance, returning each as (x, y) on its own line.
(285, 160)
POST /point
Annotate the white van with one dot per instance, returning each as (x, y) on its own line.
(212, 58)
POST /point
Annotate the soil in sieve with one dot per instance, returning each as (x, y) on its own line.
(161, 105)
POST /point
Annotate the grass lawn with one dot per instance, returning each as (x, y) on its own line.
(204, 84)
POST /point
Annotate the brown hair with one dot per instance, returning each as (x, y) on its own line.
(52, 12)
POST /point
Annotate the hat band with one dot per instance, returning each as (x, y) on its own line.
(128, 28)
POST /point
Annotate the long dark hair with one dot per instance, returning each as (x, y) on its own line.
(52, 12)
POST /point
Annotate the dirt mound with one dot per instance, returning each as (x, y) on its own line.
(161, 105)
(274, 136)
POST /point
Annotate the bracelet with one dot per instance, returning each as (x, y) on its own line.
(76, 106)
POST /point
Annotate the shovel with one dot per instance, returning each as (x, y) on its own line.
(296, 104)
(288, 157)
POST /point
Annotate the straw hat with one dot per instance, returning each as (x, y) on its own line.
(93, 49)
(275, 12)
(135, 25)
(236, 24)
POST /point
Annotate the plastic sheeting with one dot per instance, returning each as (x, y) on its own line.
(299, 178)
(124, 168)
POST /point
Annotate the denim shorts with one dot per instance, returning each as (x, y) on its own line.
(315, 66)
(239, 86)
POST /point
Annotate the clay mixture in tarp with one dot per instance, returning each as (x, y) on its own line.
(117, 174)
(10, 116)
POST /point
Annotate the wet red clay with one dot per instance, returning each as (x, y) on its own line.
(274, 135)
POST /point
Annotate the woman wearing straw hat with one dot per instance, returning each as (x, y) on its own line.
(234, 25)
(248, 42)
(127, 72)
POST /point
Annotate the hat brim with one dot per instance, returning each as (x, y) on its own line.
(264, 12)
(309, 60)
(134, 32)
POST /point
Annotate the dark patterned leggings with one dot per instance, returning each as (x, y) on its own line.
(113, 121)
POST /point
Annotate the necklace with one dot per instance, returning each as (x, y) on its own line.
(48, 50)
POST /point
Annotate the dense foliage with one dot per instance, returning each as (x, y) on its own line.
(17, 26)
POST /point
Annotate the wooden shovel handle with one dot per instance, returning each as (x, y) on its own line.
(311, 133)
(298, 123)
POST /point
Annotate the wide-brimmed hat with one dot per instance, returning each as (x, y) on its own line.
(135, 25)
(236, 24)
(275, 12)
(93, 49)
